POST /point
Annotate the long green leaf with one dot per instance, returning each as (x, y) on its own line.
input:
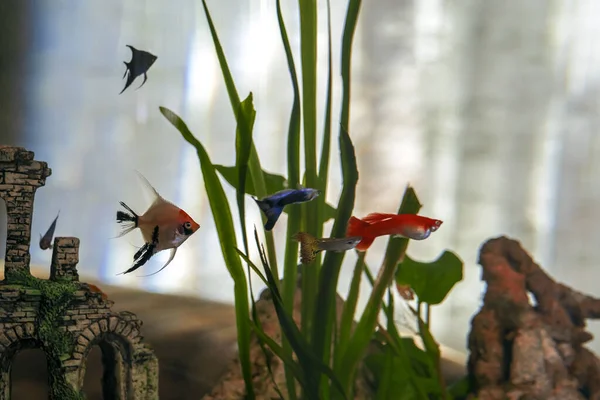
(347, 38)
(253, 266)
(308, 360)
(257, 325)
(234, 98)
(243, 142)
(264, 339)
(293, 165)
(350, 303)
(332, 262)
(325, 147)
(323, 175)
(278, 350)
(359, 341)
(245, 117)
(383, 389)
(329, 274)
(308, 52)
(310, 210)
(224, 224)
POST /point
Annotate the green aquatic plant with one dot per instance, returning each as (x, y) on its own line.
(320, 356)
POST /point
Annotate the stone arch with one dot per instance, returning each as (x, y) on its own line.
(116, 338)
(116, 365)
(7, 356)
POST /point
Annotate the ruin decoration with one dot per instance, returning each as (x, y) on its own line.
(61, 316)
(524, 351)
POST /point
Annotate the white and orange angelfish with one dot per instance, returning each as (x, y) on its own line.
(163, 226)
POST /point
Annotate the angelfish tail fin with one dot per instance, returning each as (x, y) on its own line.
(129, 219)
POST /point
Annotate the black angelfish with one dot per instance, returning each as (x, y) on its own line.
(46, 240)
(140, 63)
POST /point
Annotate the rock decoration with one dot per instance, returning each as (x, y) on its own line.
(524, 351)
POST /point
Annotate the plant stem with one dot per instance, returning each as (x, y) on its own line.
(308, 51)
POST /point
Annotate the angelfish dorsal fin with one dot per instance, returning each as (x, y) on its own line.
(156, 197)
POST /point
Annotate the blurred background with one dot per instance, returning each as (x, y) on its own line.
(489, 109)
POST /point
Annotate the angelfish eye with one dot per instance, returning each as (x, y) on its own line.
(187, 225)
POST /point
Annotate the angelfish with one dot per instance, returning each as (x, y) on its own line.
(310, 246)
(163, 226)
(272, 206)
(140, 63)
(410, 226)
(46, 240)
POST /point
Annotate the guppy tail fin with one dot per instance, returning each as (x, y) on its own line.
(272, 213)
(358, 227)
(130, 219)
(309, 246)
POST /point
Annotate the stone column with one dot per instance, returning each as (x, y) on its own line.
(20, 176)
(65, 256)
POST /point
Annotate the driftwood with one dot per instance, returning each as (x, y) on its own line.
(521, 351)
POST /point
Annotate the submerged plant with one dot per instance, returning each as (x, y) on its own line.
(321, 356)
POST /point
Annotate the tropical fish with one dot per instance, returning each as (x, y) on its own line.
(46, 240)
(140, 63)
(410, 226)
(310, 246)
(272, 205)
(163, 226)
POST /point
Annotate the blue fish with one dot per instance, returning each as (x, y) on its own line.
(272, 206)
(140, 62)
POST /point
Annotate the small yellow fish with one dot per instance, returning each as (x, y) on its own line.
(310, 246)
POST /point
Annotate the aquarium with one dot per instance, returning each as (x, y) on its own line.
(401, 160)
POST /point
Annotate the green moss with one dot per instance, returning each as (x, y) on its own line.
(11, 286)
(56, 296)
(151, 384)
